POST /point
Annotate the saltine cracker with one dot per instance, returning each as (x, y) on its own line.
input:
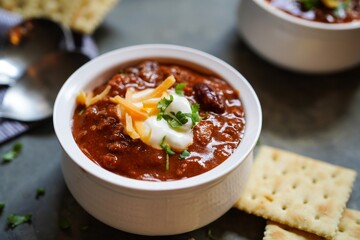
(349, 229)
(80, 15)
(297, 191)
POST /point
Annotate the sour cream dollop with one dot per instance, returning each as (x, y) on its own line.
(177, 138)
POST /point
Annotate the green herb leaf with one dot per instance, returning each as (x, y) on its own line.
(40, 192)
(167, 162)
(195, 117)
(341, 10)
(309, 4)
(210, 235)
(81, 111)
(184, 154)
(2, 206)
(13, 153)
(14, 220)
(181, 117)
(64, 224)
(176, 120)
(171, 121)
(179, 89)
(166, 147)
(168, 151)
(162, 105)
(207, 115)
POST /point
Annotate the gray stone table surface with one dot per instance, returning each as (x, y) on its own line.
(318, 116)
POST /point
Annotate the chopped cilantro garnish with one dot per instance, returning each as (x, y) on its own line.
(2, 206)
(64, 224)
(207, 114)
(340, 10)
(13, 153)
(176, 120)
(168, 152)
(179, 89)
(14, 220)
(195, 117)
(179, 118)
(81, 111)
(173, 119)
(210, 235)
(40, 192)
(166, 147)
(167, 162)
(162, 105)
(309, 4)
(184, 154)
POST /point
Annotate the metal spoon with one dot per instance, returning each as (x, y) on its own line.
(33, 95)
(25, 43)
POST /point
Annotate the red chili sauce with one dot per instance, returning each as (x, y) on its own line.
(100, 134)
(346, 11)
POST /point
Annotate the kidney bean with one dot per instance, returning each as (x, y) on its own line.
(208, 98)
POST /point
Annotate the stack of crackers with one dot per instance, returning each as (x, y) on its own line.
(80, 15)
(302, 198)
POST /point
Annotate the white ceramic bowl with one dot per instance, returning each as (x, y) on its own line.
(298, 44)
(154, 208)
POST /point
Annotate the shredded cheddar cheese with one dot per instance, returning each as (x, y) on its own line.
(129, 93)
(88, 99)
(100, 96)
(331, 3)
(143, 132)
(129, 127)
(151, 103)
(120, 113)
(159, 90)
(81, 98)
(135, 114)
(132, 110)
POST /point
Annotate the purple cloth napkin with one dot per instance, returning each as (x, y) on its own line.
(10, 128)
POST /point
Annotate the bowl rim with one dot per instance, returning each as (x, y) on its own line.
(303, 22)
(77, 81)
